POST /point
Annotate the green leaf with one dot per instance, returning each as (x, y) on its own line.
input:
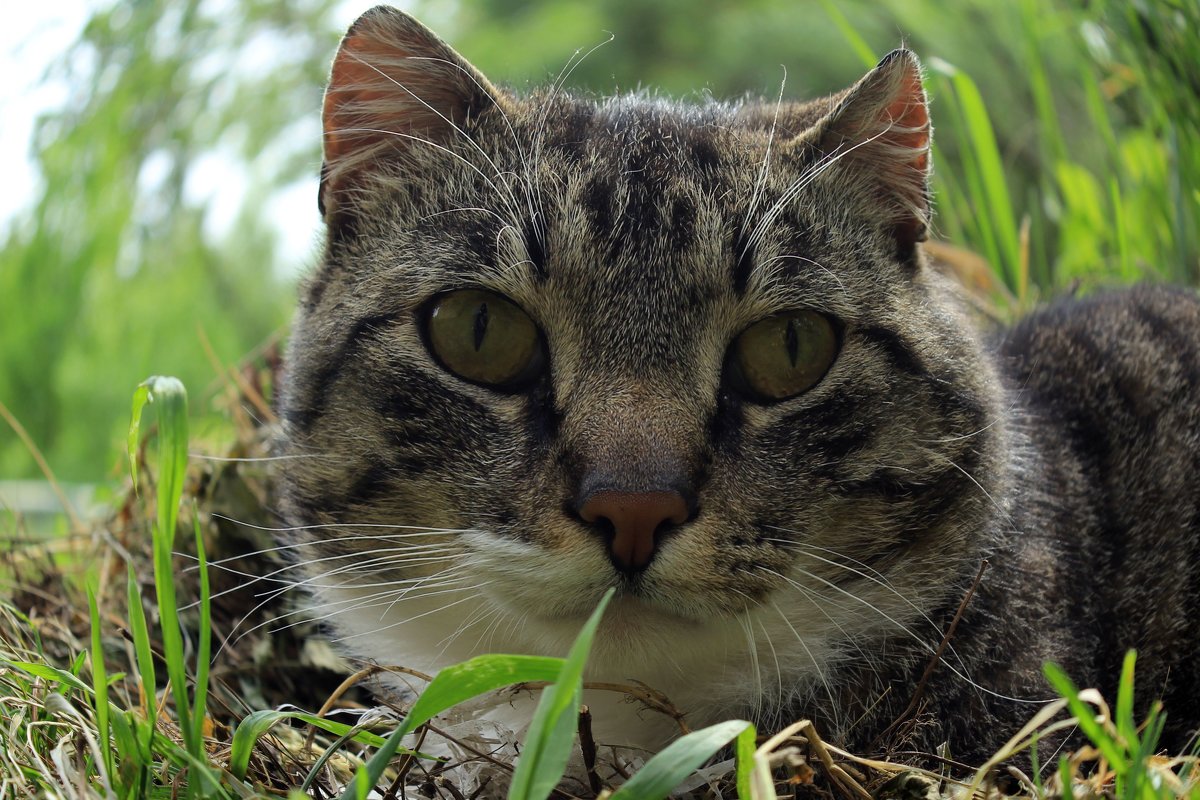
(142, 652)
(540, 768)
(140, 396)
(744, 751)
(679, 759)
(548, 744)
(100, 682)
(452, 686)
(991, 168)
(252, 728)
(49, 673)
(1086, 716)
(169, 399)
(850, 33)
(204, 636)
(1126, 725)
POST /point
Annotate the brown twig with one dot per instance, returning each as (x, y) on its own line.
(231, 375)
(43, 465)
(919, 692)
(350, 681)
(650, 697)
(587, 746)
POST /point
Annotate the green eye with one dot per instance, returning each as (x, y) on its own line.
(784, 355)
(484, 338)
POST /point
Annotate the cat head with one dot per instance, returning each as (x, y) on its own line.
(693, 352)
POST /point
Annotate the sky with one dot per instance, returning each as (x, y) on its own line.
(31, 37)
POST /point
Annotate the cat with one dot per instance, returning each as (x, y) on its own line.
(695, 352)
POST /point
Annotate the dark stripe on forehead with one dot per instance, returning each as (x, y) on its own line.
(597, 200)
(743, 260)
(682, 232)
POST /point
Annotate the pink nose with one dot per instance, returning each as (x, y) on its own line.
(635, 517)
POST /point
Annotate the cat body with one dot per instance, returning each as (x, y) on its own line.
(695, 353)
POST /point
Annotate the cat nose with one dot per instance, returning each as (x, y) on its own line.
(636, 518)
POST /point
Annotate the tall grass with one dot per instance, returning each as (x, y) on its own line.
(1115, 189)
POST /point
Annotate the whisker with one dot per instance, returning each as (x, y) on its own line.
(821, 676)
(506, 196)
(905, 629)
(761, 181)
(377, 631)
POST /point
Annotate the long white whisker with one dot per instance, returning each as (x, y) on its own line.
(924, 645)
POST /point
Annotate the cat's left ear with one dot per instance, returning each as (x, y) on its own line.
(878, 135)
(397, 93)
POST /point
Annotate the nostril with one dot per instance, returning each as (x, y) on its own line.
(635, 519)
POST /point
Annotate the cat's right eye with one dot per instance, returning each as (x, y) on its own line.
(484, 338)
(783, 356)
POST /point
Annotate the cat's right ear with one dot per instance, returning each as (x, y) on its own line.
(395, 88)
(877, 136)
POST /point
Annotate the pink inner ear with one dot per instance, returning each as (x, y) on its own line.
(908, 111)
(378, 89)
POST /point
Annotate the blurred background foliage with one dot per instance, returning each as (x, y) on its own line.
(1068, 136)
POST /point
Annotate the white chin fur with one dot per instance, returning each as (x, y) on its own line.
(709, 671)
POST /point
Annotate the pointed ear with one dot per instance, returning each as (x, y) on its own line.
(394, 87)
(880, 132)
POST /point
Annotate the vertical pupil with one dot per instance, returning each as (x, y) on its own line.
(792, 340)
(481, 321)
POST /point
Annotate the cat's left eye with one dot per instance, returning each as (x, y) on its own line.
(783, 356)
(485, 338)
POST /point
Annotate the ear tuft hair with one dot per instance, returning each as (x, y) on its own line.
(881, 130)
(394, 86)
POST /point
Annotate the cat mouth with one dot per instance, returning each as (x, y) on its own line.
(632, 608)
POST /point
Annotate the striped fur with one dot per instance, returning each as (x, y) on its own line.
(835, 533)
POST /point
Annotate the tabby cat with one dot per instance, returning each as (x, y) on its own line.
(694, 352)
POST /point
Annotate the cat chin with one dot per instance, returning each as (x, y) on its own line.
(727, 667)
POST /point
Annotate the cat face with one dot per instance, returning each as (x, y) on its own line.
(559, 345)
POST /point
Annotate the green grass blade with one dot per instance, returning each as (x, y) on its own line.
(142, 652)
(541, 768)
(991, 169)
(100, 683)
(46, 672)
(133, 762)
(1126, 725)
(256, 724)
(477, 676)
(548, 744)
(452, 686)
(1064, 777)
(744, 751)
(169, 398)
(850, 33)
(1086, 717)
(140, 396)
(204, 637)
(680, 759)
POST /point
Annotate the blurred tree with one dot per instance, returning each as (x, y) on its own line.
(108, 277)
